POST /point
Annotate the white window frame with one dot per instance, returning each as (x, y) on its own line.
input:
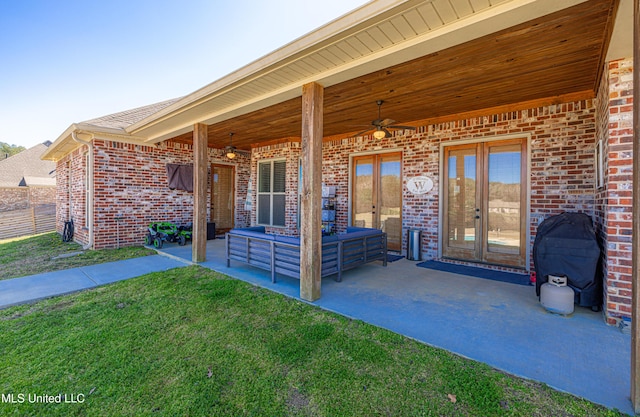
(599, 165)
(270, 193)
(87, 189)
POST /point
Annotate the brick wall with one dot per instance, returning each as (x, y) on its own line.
(70, 194)
(131, 190)
(562, 157)
(14, 198)
(614, 199)
(42, 195)
(19, 198)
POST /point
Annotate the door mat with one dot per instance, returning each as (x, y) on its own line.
(510, 277)
(393, 258)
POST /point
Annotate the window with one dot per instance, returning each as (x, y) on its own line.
(271, 193)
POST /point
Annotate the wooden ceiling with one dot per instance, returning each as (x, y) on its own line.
(557, 57)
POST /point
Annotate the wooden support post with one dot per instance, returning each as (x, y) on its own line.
(311, 204)
(635, 234)
(200, 159)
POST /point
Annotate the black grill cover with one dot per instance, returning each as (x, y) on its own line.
(566, 244)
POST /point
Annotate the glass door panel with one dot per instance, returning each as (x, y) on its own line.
(505, 228)
(222, 192)
(484, 211)
(377, 195)
(461, 202)
(391, 199)
(363, 202)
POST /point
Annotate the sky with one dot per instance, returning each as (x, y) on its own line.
(67, 61)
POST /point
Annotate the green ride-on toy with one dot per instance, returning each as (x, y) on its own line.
(160, 232)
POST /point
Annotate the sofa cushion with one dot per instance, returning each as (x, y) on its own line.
(250, 232)
(330, 238)
(356, 232)
(260, 229)
(352, 229)
(291, 240)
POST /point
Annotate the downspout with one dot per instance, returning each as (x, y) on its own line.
(90, 196)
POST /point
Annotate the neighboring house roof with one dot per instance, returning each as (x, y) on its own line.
(27, 168)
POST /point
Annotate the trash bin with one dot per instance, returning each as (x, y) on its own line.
(414, 245)
(211, 230)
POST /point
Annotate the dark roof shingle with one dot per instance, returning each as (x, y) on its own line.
(27, 164)
(124, 119)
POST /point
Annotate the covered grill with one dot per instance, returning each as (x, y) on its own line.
(567, 244)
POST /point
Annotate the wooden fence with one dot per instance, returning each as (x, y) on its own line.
(37, 219)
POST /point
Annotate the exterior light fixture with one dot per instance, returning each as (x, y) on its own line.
(379, 133)
(231, 150)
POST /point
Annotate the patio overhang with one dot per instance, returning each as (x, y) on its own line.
(427, 60)
(430, 61)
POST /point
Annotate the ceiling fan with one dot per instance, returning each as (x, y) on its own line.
(382, 126)
(231, 151)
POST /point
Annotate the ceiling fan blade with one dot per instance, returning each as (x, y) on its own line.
(387, 122)
(402, 127)
(387, 134)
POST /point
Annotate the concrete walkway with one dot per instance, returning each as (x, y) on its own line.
(49, 284)
(500, 324)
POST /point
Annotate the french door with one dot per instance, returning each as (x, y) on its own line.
(377, 195)
(222, 196)
(484, 202)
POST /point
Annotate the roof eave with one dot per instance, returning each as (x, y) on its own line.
(65, 143)
(160, 126)
(278, 57)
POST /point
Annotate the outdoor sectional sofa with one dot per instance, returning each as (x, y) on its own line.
(281, 254)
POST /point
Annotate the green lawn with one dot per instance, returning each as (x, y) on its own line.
(42, 253)
(192, 342)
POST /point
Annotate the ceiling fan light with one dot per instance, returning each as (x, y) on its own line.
(379, 134)
(231, 150)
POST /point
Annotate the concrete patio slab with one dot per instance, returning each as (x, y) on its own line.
(500, 324)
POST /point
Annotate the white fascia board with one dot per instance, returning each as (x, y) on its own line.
(107, 133)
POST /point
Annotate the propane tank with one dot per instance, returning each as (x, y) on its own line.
(556, 296)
